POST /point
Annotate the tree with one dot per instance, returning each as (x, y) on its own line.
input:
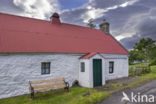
(152, 53)
(143, 51)
(135, 56)
(91, 24)
(153, 56)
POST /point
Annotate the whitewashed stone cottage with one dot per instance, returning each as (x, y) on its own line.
(32, 49)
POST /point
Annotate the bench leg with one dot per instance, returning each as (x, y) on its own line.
(67, 89)
(32, 93)
(67, 86)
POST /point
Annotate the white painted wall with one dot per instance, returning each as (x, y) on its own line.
(17, 69)
(84, 77)
(120, 66)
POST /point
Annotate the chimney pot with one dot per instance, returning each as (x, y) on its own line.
(55, 18)
(104, 26)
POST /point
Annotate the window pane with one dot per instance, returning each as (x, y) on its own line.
(42, 66)
(111, 64)
(110, 70)
(82, 67)
(42, 71)
(111, 67)
(47, 65)
(45, 68)
(47, 71)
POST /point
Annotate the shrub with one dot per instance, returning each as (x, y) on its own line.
(153, 62)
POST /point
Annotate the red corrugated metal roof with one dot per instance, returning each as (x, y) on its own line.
(21, 34)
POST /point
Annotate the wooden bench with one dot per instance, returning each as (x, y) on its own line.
(47, 85)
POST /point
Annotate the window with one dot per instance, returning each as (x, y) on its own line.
(82, 67)
(111, 67)
(45, 68)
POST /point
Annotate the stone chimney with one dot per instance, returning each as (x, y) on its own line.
(104, 26)
(55, 18)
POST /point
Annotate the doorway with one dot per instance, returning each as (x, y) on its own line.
(97, 72)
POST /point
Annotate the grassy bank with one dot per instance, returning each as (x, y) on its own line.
(60, 97)
(75, 94)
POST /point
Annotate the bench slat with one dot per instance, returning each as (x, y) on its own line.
(42, 86)
(49, 80)
(48, 89)
(49, 85)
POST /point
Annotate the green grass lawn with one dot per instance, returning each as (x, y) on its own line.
(60, 97)
(75, 94)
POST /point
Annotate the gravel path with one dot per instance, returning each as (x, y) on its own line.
(148, 89)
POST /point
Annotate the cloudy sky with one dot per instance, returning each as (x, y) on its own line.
(130, 20)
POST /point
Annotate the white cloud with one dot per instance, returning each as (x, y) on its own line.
(128, 3)
(92, 13)
(122, 36)
(89, 7)
(131, 26)
(95, 13)
(119, 37)
(37, 8)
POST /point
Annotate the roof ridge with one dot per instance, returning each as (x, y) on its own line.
(81, 26)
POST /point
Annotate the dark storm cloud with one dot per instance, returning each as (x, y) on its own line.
(73, 16)
(147, 28)
(120, 16)
(142, 16)
(130, 41)
(78, 12)
(96, 4)
(147, 3)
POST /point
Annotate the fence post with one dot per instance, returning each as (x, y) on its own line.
(133, 69)
(149, 68)
(138, 70)
(141, 69)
